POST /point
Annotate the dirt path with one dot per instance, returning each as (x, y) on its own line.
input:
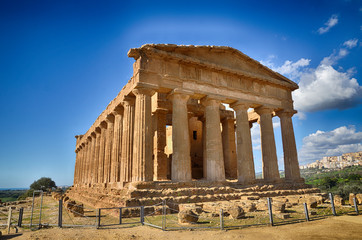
(342, 227)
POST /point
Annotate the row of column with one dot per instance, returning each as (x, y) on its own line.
(214, 151)
(121, 147)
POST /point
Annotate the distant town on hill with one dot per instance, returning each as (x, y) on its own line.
(337, 162)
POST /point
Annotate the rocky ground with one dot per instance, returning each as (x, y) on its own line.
(341, 227)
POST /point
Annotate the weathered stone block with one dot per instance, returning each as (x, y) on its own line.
(338, 200)
(235, 212)
(187, 217)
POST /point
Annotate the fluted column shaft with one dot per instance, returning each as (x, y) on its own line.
(117, 144)
(89, 160)
(102, 152)
(127, 140)
(291, 165)
(245, 161)
(142, 169)
(85, 159)
(160, 164)
(95, 170)
(229, 148)
(181, 160)
(268, 149)
(75, 180)
(79, 180)
(108, 149)
(215, 159)
(92, 159)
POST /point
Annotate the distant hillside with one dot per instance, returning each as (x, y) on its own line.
(9, 195)
(337, 162)
(342, 182)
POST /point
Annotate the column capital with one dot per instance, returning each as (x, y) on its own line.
(78, 136)
(211, 101)
(118, 110)
(93, 134)
(286, 113)
(263, 110)
(89, 138)
(143, 91)
(128, 100)
(179, 94)
(228, 119)
(161, 110)
(239, 106)
(97, 130)
(110, 118)
(103, 125)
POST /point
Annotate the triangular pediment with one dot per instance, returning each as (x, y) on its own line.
(225, 57)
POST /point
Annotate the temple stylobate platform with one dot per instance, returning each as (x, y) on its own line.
(169, 124)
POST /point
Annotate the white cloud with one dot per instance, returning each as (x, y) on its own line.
(351, 43)
(332, 21)
(323, 87)
(326, 88)
(333, 143)
(293, 69)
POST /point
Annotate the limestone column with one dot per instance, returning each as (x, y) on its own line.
(75, 180)
(245, 161)
(291, 165)
(142, 166)
(79, 163)
(268, 149)
(117, 144)
(108, 148)
(84, 156)
(181, 160)
(160, 161)
(89, 159)
(102, 152)
(215, 159)
(127, 139)
(96, 154)
(229, 147)
(92, 160)
(204, 153)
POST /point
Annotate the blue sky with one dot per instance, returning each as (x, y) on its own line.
(62, 62)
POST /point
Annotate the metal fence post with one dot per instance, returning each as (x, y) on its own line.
(306, 212)
(163, 216)
(20, 219)
(60, 213)
(41, 206)
(9, 219)
(270, 211)
(142, 215)
(355, 205)
(120, 215)
(221, 219)
(32, 211)
(332, 204)
(98, 217)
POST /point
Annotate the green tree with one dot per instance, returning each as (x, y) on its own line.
(43, 184)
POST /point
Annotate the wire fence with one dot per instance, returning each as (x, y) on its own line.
(168, 216)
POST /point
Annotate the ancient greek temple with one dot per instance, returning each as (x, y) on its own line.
(169, 122)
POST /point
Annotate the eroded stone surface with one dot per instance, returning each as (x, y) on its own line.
(179, 91)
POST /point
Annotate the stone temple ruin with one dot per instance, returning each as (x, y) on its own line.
(127, 157)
